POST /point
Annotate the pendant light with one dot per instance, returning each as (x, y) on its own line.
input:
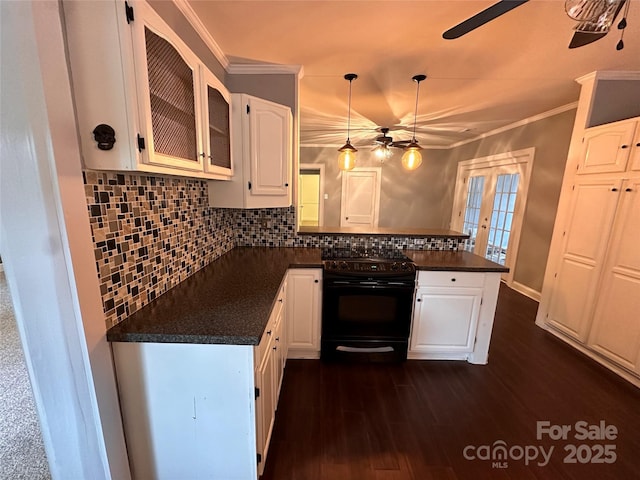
(347, 157)
(412, 158)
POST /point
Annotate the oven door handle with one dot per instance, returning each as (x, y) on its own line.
(342, 348)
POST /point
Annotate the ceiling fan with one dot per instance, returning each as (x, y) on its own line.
(594, 17)
(383, 144)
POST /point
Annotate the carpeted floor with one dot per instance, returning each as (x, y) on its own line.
(22, 453)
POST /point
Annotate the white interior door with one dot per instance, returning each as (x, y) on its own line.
(490, 199)
(311, 195)
(360, 203)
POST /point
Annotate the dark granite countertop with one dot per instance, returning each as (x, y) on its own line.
(389, 232)
(227, 302)
(452, 261)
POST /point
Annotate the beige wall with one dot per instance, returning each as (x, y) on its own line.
(420, 199)
(550, 137)
(424, 198)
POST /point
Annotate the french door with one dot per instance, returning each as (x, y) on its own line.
(490, 200)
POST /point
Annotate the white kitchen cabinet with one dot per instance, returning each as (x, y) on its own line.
(131, 72)
(445, 319)
(616, 325)
(606, 148)
(188, 410)
(303, 304)
(269, 362)
(635, 151)
(216, 131)
(262, 160)
(266, 374)
(200, 410)
(453, 315)
(578, 269)
(590, 297)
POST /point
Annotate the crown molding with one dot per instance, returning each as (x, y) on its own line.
(520, 123)
(264, 69)
(187, 10)
(609, 75)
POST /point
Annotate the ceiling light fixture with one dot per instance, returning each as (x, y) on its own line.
(382, 150)
(412, 158)
(347, 157)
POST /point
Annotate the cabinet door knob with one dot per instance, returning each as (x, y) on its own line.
(315, 281)
(628, 189)
(277, 339)
(268, 332)
(275, 348)
(280, 300)
(638, 144)
(286, 184)
(418, 299)
(624, 146)
(453, 279)
(614, 189)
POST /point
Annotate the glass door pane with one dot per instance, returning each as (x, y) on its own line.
(504, 202)
(171, 90)
(219, 144)
(472, 211)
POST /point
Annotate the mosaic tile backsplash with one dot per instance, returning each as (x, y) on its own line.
(149, 234)
(152, 232)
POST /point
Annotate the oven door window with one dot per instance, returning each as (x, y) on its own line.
(367, 312)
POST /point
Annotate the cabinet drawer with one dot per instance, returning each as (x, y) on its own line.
(454, 279)
(267, 337)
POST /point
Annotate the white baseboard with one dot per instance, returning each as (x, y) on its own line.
(621, 372)
(527, 291)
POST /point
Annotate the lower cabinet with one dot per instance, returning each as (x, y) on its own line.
(453, 315)
(269, 360)
(304, 296)
(189, 411)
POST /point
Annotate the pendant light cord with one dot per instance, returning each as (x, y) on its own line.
(349, 117)
(417, 79)
(415, 112)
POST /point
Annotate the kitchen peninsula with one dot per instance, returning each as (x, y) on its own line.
(200, 368)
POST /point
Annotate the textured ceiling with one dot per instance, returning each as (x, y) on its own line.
(513, 68)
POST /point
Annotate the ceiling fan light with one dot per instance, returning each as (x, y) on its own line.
(383, 152)
(347, 157)
(412, 158)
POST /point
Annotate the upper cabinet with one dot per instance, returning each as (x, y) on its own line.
(262, 156)
(607, 148)
(144, 100)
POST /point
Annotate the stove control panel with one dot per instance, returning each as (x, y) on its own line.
(368, 267)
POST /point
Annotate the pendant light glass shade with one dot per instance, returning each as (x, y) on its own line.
(412, 158)
(347, 156)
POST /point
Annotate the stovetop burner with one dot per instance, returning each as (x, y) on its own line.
(372, 254)
(367, 261)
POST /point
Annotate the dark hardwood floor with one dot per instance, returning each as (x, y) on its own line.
(414, 420)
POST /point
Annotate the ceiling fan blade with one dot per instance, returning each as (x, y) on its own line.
(589, 32)
(479, 19)
(580, 39)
